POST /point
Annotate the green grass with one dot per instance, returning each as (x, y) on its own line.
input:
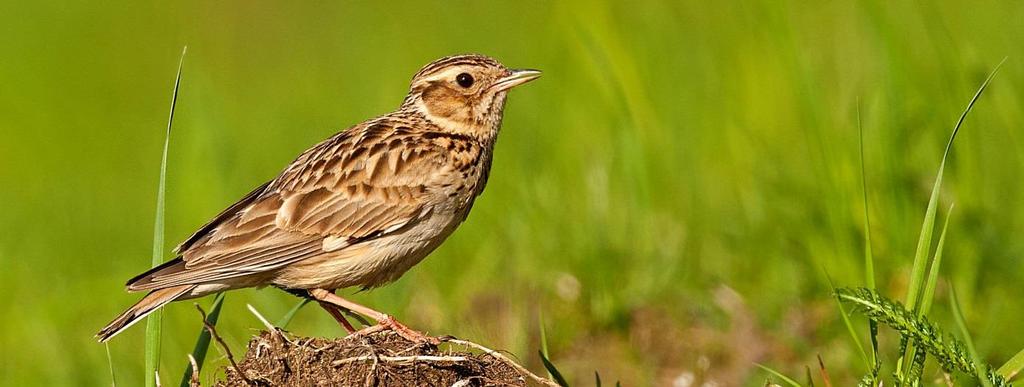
(672, 152)
(922, 284)
(918, 336)
(154, 321)
(110, 365)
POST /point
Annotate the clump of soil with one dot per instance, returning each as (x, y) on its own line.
(379, 359)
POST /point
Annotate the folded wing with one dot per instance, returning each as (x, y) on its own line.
(368, 181)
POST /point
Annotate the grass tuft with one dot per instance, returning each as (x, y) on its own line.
(917, 278)
(915, 291)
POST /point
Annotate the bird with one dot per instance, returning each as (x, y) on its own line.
(358, 209)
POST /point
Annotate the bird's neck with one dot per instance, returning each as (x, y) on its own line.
(485, 131)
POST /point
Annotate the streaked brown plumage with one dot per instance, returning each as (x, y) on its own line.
(358, 209)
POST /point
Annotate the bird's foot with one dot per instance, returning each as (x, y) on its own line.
(389, 323)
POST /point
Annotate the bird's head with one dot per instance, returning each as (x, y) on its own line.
(464, 92)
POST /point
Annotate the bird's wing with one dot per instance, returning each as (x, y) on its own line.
(368, 181)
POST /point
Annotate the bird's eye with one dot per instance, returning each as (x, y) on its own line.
(464, 80)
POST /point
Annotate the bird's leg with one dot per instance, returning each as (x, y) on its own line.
(336, 313)
(384, 321)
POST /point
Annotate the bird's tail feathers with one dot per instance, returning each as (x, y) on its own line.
(148, 304)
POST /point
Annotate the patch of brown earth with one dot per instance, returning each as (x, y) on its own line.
(379, 359)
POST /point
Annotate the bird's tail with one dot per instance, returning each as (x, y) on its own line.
(151, 302)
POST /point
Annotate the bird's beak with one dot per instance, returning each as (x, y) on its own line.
(516, 78)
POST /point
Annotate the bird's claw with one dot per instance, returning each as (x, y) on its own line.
(389, 323)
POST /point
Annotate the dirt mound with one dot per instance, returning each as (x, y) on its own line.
(379, 359)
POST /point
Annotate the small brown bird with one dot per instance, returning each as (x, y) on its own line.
(358, 209)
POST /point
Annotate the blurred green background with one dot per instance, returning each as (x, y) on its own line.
(666, 199)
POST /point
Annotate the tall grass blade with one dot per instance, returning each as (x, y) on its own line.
(203, 340)
(779, 375)
(917, 272)
(981, 369)
(110, 363)
(869, 255)
(933, 272)
(924, 241)
(287, 319)
(1012, 366)
(153, 322)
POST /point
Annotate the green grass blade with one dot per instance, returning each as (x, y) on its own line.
(283, 323)
(779, 375)
(557, 376)
(1012, 366)
(110, 363)
(853, 334)
(958, 315)
(924, 241)
(963, 115)
(203, 340)
(869, 254)
(544, 356)
(917, 272)
(153, 322)
(543, 336)
(869, 258)
(849, 325)
(933, 272)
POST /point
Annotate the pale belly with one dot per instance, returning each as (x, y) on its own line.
(371, 263)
